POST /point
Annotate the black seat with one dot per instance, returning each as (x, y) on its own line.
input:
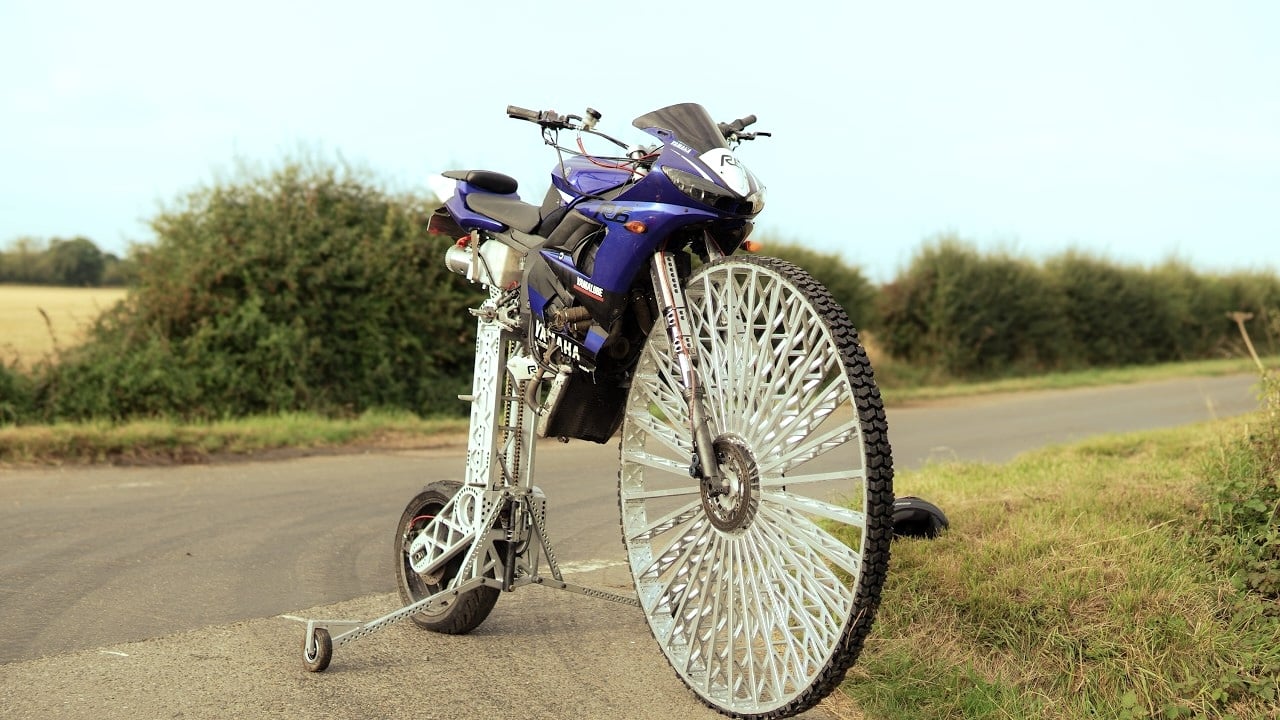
(485, 180)
(515, 213)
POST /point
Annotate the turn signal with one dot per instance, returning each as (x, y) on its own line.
(751, 246)
(636, 227)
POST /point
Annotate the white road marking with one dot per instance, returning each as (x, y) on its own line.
(589, 565)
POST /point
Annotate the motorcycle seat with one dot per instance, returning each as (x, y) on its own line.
(485, 180)
(510, 211)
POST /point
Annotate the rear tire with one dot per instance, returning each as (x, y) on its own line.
(760, 597)
(462, 614)
(317, 658)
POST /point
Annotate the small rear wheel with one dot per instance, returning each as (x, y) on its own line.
(456, 616)
(317, 650)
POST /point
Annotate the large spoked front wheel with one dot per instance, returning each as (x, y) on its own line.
(760, 596)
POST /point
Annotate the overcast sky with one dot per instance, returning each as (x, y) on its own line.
(1136, 130)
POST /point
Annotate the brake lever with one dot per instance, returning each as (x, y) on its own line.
(551, 120)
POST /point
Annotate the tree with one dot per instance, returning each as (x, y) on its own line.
(24, 261)
(77, 262)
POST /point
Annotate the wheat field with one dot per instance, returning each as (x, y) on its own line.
(25, 335)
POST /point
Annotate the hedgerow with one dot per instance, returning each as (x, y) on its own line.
(305, 288)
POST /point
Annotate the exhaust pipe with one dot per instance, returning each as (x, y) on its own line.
(458, 259)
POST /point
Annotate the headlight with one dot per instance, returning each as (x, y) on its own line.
(700, 189)
(711, 194)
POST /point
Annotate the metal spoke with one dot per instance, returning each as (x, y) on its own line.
(657, 462)
(820, 541)
(810, 448)
(677, 517)
(668, 492)
(662, 432)
(821, 508)
(786, 480)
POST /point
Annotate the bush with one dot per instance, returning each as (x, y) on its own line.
(845, 282)
(304, 289)
(1199, 305)
(964, 315)
(1243, 512)
(15, 395)
(972, 316)
(1259, 294)
(1117, 315)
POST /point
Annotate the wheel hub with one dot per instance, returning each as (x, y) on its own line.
(733, 509)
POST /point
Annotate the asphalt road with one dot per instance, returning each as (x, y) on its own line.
(171, 591)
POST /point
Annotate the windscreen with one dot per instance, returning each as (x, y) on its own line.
(689, 122)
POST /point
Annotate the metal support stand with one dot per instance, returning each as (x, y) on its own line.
(498, 502)
(319, 642)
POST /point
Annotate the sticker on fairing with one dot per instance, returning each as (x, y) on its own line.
(682, 147)
(723, 163)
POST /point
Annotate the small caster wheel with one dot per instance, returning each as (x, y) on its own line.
(317, 650)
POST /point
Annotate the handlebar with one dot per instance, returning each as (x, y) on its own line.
(551, 120)
(520, 113)
(733, 130)
(548, 119)
(736, 126)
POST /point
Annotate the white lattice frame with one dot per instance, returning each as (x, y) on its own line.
(501, 434)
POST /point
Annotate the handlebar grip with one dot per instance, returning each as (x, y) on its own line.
(736, 126)
(522, 114)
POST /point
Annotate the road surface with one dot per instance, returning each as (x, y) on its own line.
(173, 591)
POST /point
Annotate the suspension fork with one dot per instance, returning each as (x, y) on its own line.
(704, 464)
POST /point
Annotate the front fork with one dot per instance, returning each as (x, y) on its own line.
(704, 464)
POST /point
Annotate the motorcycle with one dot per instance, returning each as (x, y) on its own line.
(627, 305)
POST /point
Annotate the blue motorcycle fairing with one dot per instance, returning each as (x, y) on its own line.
(468, 218)
(612, 255)
(579, 176)
(624, 253)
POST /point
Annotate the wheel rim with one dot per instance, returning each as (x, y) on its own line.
(751, 595)
(418, 585)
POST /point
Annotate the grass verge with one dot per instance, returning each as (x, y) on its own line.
(910, 393)
(1087, 581)
(165, 440)
(154, 441)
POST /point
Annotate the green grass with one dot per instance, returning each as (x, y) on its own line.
(912, 392)
(165, 441)
(1075, 582)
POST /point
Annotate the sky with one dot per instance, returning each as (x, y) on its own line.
(1137, 131)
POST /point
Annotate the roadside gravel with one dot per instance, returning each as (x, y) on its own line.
(253, 669)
